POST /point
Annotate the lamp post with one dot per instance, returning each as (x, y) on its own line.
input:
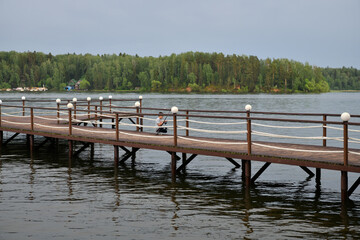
(110, 98)
(174, 111)
(74, 102)
(137, 105)
(23, 98)
(58, 101)
(101, 99)
(141, 119)
(70, 106)
(345, 117)
(88, 100)
(0, 117)
(247, 163)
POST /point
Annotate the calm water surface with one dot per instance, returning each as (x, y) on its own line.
(47, 197)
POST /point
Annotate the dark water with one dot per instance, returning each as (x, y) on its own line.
(47, 197)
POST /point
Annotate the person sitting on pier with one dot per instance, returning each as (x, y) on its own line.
(159, 122)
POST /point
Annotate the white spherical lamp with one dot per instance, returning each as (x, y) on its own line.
(174, 109)
(248, 107)
(101, 98)
(345, 116)
(140, 97)
(23, 98)
(110, 97)
(137, 104)
(88, 99)
(70, 105)
(74, 100)
(0, 102)
(58, 100)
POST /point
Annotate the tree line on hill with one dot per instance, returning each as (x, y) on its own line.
(190, 71)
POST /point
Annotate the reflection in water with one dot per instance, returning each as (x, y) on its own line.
(69, 180)
(116, 188)
(247, 209)
(177, 208)
(31, 179)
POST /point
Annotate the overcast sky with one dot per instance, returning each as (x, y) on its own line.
(321, 32)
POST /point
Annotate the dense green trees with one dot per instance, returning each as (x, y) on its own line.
(191, 71)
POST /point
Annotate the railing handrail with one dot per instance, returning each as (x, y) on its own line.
(189, 115)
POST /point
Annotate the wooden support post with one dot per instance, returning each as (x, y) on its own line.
(324, 130)
(243, 170)
(233, 162)
(117, 126)
(74, 110)
(353, 187)
(101, 112)
(318, 176)
(71, 146)
(116, 156)
(133, 154)
(92, 150)
(1, 138)
(31, 144)
(346, 146)
(261, 170)
(32, 118)
(1, 132)
(85, 145)
(109, 104)
(23, 102)
(344, 174)
(58, 113)
(187, 123)
(308, 171)
(344, 187)
(70, 122)
(141, 119)
(248, 132)
(89, 109)
(11, 138)
(176, 156)
(247, 169)
(137, 119)
(173, 166)
(96, 116)
(175, 129)
(183, 162)
(318, 170)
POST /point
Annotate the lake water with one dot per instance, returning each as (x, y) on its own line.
(47, 197)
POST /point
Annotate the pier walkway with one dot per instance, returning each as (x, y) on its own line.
(125, 128)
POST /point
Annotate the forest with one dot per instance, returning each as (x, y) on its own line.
(185, 72)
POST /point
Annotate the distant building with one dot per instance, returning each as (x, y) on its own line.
(73, 85)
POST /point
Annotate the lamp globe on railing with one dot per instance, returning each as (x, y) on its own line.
(88, 99)
(140, 97)
(23, 98)
(174, 110)
(101, 98)
(345, 116)
(58, 101)
(70, 105)
(248, 107)
(137, 104)
(74, 99)
(0, 102)
(110, 97)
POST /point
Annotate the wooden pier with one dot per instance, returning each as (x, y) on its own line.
(124, 127)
